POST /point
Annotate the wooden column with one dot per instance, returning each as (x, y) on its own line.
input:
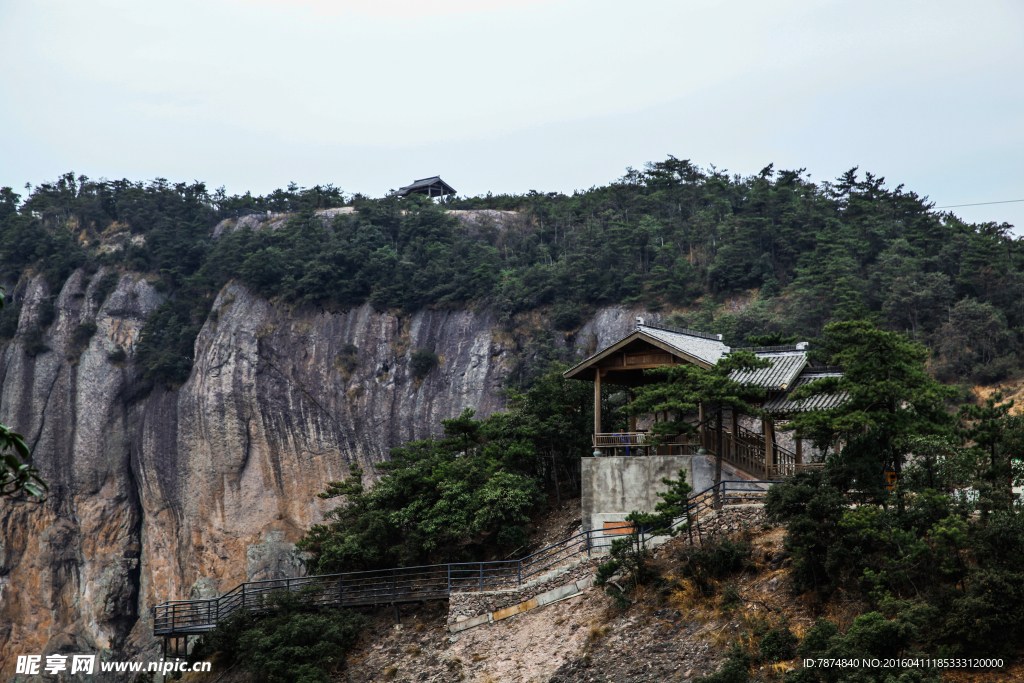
(799, 443)
(703, 432)
(597, 400)
(735, 432)
(766, 425)
(632, 418)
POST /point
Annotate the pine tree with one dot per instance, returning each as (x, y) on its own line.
(685, 387)
(886, 385)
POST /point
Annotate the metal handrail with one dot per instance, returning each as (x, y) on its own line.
(426, 582)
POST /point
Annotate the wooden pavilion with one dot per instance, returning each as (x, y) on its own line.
(432, 187)
(622, 363)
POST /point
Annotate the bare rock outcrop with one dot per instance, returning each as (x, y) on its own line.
(161, 493)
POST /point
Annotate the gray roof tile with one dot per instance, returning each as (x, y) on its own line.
(708, 350)
(784, 368)
(782, 404)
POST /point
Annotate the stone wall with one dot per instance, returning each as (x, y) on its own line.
(466, 605)
(731, 519)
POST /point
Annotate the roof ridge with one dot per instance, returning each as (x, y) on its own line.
(822, 370)
(682, 330)
(769, 349)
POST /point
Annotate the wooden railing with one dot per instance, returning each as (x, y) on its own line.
(176, 618)
(744, 455)
(641, 443)
(744, 450)
(619, 439)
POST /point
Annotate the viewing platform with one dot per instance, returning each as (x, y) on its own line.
(759, 454)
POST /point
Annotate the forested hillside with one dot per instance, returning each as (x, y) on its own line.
(772, 252)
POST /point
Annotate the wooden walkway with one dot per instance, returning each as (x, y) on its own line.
(182, 618)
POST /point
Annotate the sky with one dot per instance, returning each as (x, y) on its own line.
(507, 96)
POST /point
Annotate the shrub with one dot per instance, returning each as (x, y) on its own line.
(80, 339)
(83, 333)
(295, 643)
(106, 285)
(998, 370)
(714, 561)
(117, 356)
(818, 638)
(9, 321)
(167, 343)
(872, 636)
(422, 362)
(438, 500)
(47, 313)
(33, 343)
(346, 362)
(631, 561)
(778, 645)
(811, 509)
(566, 316)
(736, 669)
(730, 596)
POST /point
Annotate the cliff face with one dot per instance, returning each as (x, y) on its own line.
(162, 494)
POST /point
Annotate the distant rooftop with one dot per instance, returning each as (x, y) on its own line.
(432, 187)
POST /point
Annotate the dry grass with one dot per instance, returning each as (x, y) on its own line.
(842, 611)
(686, 597)
(720, 638)
(477, 657)
(598, 632)
(750, 619)
(414, 651)
(390, 672)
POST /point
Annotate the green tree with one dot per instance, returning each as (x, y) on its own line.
(684, 388)
(442, 499)
(994, 438)
(975, 336)
(886, 386)
(295, 642)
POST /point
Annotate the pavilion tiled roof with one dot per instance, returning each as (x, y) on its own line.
(782, 405)
(707, 348)
(425, 184)
(785, 367)
(788, 369)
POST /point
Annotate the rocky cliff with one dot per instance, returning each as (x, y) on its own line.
(163, 494)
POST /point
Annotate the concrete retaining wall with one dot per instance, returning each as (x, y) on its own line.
(615, 486)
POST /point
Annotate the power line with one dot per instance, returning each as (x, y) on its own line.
(955, 206)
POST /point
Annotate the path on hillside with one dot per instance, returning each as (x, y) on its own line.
(182, 618)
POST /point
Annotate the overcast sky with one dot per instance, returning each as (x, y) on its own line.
(514, 95)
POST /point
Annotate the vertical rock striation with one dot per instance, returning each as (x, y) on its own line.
(161, 493)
